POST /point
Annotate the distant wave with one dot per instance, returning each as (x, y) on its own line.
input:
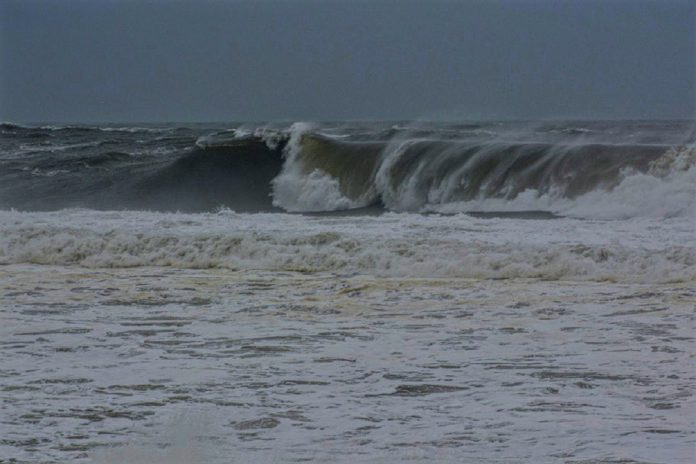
(567, 170)
(419, 174)
(10, 127)
(197, 179)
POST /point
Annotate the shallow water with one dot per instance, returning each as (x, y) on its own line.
(155, 364)
(142, 337)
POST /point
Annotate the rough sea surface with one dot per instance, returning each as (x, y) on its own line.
(488, 293)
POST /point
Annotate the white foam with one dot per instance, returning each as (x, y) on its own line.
(134, 129)
(295, 189)
(272, 136)
(395, 245)
(667, 190)
(216, 138)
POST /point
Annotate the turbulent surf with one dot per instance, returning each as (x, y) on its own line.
(591, 169)
(348, 292)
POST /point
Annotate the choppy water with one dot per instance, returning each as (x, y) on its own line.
(554, 322)
(588, 169)
(582, 354)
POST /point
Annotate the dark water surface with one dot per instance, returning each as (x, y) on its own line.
(324, 167)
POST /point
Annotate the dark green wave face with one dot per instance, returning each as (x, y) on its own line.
(400, 166)
(354, 164)
(410, 174)
(456, 172)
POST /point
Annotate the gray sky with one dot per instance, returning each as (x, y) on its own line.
(99, 60)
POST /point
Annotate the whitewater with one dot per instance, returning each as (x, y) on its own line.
(348, 292)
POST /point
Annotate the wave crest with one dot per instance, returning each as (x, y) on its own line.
(322, 173)
(593, 170)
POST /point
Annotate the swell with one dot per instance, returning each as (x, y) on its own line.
(236, 175)
(309, 168)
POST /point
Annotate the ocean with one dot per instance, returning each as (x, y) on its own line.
(378, 292)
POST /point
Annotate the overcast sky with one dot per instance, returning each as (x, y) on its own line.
(99, 60)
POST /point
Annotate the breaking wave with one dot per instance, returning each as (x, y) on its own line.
(580, 171)
(666, 189)
(13, 127)
(324, 175)
(391, 245)
(599, 180)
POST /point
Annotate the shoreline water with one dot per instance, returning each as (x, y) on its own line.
(374, 321)
(165, 365)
